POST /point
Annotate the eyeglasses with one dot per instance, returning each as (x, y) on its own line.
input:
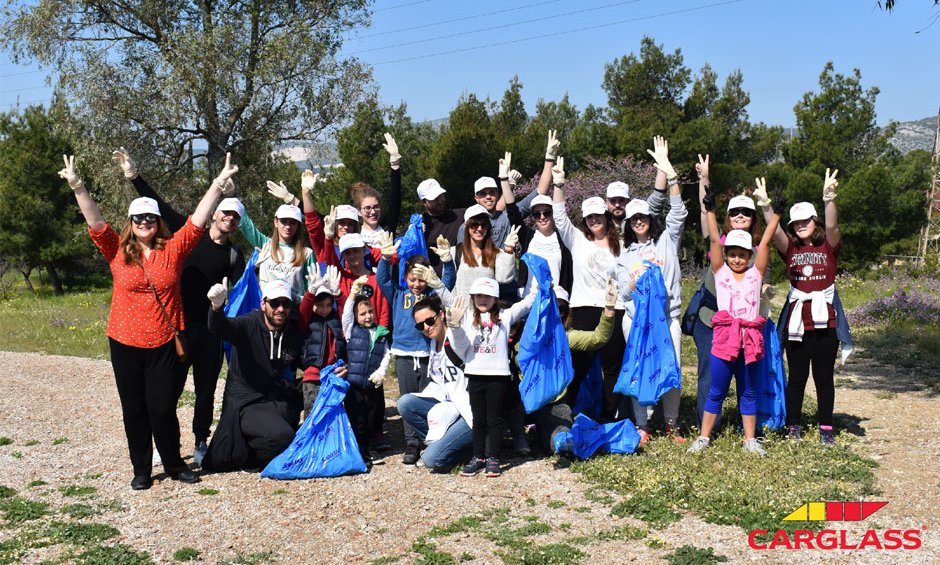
(487, 192)
(542, 214)
(141, 218)
(741, 212)
(280, 303)
(426, 323)
(369, 209)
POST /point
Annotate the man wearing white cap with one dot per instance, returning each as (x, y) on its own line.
(437, 218)
(261, 409)
(213, 259)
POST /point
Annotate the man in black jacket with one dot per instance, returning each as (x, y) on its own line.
(262, 401)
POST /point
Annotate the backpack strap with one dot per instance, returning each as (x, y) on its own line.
(452, 355)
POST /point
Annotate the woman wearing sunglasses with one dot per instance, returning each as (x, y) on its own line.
(478, 256)
(146, 312)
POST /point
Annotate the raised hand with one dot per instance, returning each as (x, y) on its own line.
(226, 173)
(68, 173)
(123, 159)
(708, 201)
(314, 280)
(388, 245)
(307, 181)
(551, 148)
(443, 249)
(660, 154)
(830, 185)
(427, 275)
(512, 238)
(329, 224)
(229, 188)
(217, 294)
(279, 190)
(456, 312)
(760, 192)
(702, 167)
(610, 294)
(504, 165)
(394, 157)
(332, 279)
(558, 172)
(779, 202)
(358, 284)
(514, 177)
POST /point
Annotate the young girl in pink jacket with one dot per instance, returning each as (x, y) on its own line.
(738, 327)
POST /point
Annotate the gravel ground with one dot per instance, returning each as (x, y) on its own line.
(362, 518)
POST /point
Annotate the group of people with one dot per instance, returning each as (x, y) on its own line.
(340, 297)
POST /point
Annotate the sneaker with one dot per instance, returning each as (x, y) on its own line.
(421, 464)
(644, 436)
(521, 445)
(754, 446)
(473, 467)
(674, 433)
(200, 452)
(492, 467)
(411, 455)
(826, 437)
(794, 432)
(700, 444)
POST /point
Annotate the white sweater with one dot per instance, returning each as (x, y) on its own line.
(485, 349)
(592, 265)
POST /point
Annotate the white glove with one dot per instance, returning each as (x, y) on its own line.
(558, 172)
(514, 177)
(394, 157)
(358, 284)
(307, 181)
(456, 312)
(378, 377)
(218, 293)
(69, 174)
(127, 164)
(314, 280)
(443, 249)
(427, 275)
(551, 148)
(768, 292)
(329, 224)
(512, 238)
(388, 246)
(610, 295)
(504, 165)
(702, 167)
(660, 154)
(279, 190)
(229, 188)
(763, 200)
(225, 174)
(830, 185)
(332, 279)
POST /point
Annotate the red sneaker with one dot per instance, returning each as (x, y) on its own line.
(674, 434)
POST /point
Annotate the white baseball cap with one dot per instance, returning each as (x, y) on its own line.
(618, 189)
(739, 238)
(485, 286)
(347, 212)
(475, 210)
(289, 212)
(593, 205)
(440, 417)
(636, 206)
(561, 293)
(429, 189)
(351, 241)
(143, 205)
(802, 211)
(541, 200)
(741, 201)
(231, 205)
(484, 182)
(277, 289)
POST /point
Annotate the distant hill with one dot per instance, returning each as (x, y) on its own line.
(915, 135)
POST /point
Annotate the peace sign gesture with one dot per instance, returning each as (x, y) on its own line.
(830, 185)
(69, 174)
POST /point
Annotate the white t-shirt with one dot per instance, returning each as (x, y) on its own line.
(548, 248)
(592, 264)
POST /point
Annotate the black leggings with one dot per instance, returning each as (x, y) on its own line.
(487, 397)
(587, 318)
(359, 404)
(819, 348)
(149, 383)
(205, 356)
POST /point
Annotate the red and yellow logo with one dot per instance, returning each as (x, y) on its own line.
(831, 538)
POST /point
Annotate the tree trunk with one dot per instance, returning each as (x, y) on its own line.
(26, 272)
(54, 279)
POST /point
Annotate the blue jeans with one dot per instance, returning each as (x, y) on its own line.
(454, 447)
(703, 335)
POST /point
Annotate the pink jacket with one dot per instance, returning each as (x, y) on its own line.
(731, 334)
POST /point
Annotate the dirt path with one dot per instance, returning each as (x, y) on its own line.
(46, 400)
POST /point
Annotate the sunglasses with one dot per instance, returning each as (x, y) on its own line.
(280, 303)
(426, 323)
(542, 214)
(741, 212)
(141, 218)
(475, 226)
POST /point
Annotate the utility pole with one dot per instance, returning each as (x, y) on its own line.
(930, 237)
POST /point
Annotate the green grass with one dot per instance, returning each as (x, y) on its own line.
(37, 483)
(915, 347)
(79, 533)
(60, 440)
(77, 490)
(187, 398)
(73, 324)
(113, 554)
(249, 559)
(186, 554)
(206, 491)
(80, 510)
(5, 441)
(690, 555)
(17, 510)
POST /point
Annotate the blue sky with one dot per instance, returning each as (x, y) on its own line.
(780, 46)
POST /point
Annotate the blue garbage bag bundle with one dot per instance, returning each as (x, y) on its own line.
(771, 382)
(544, 356)
(244, 297)
(411, 244)
(650, 367)
(324, 446)
(590, 397)
(588, 437)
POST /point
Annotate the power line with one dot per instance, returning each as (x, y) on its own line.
(491, 28)
(464, 18)
(402, 6)
(23, 89)
(21, 74)
(557, 33)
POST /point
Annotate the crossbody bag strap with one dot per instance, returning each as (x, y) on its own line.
(157, 296)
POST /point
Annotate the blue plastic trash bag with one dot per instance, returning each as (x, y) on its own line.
(544, 356)
(589, 437)
(771, 382)
(650, 367)
(590, 399)
(324, 446)
(244, 297)
(411, 244)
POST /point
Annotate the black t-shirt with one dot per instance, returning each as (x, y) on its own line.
(206, 265)
(447, 224)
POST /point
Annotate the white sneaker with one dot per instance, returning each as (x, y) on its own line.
(754, 446)
(420, 464)
(700, 444)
